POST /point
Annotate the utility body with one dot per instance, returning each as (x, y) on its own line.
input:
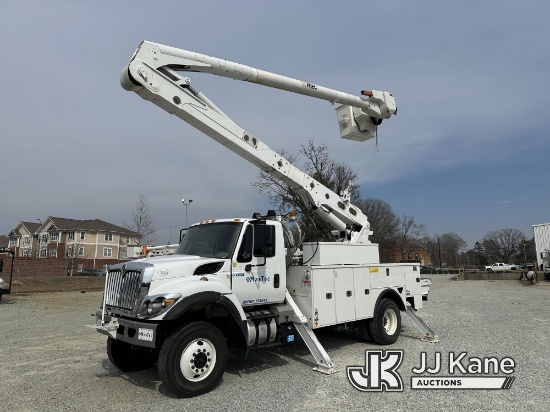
(251, 282)
(541, 235)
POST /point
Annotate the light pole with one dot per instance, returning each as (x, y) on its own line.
(186, 203)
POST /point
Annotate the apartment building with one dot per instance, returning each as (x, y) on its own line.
(93, 242)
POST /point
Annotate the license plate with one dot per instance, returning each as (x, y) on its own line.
(145, 334)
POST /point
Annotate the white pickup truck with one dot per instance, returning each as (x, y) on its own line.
(500, 267)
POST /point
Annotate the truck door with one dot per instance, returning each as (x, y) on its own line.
(259, 267)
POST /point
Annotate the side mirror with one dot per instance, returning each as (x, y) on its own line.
(247, 268)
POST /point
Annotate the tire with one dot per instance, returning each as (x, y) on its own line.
(385, 327)
(128, 359)
(364, 330)
(192, 361)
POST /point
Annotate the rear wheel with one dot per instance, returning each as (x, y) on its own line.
(192, 361)
(364, 330)
(385, 326)
(129, 359)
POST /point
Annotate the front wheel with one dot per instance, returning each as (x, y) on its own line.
(129, 359)
(192, 361)
(385, 327)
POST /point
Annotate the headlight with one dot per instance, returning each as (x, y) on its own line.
(155, 305)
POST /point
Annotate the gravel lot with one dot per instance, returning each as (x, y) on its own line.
(50, 361)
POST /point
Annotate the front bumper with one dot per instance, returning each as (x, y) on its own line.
(126, 330)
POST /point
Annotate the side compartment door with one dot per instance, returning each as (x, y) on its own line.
(345, 294)
(364, 301)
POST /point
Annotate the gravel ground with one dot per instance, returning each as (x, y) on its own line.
(50, 361)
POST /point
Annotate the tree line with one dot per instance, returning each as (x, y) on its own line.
(400, 237)
(397, 235)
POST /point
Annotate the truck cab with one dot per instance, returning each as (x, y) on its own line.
(243, 259)
(253, 250)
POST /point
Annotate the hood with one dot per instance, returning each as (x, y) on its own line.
(174, 266)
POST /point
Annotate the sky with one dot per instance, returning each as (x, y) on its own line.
(467, 152)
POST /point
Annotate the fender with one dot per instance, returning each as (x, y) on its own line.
(227, 300)
(393, 295)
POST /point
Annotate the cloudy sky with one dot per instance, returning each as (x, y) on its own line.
(468, 151)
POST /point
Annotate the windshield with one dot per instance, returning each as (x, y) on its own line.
(211, 240)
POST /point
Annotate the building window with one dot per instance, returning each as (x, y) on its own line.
(80, 251)
(70, 252)
(107, 252)
(13, 241)
(127, 239)
(44, 238)
(26, 240)
(43, 252)
(82, 235)
(80, 267)
(26, 253)
(53, 252)
(71, 235)
(54, 236)
(108, 237)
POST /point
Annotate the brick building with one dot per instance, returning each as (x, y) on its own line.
(83, 243)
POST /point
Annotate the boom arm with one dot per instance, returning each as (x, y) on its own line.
(153, 74)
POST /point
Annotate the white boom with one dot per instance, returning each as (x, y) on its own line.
(153, 74)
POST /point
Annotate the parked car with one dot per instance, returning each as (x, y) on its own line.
(500, 267)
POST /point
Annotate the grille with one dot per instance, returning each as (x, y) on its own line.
(122, 290)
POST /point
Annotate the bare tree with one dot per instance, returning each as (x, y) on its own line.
(444, 249)
(503, 244)
(74, 257)
(480, 250)
(142, 222)
(384, 224)
(336, 176)
(318, 164)
(409, 233)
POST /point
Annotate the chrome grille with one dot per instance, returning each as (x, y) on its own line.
(123, 289)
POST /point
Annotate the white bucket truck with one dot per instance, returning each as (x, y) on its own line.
(237, 282)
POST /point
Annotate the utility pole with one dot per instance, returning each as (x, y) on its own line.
(439, 248)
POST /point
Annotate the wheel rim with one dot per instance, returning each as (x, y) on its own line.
(198, 360)
(390, 321)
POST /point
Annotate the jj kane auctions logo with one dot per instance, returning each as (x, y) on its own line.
(380, 373)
